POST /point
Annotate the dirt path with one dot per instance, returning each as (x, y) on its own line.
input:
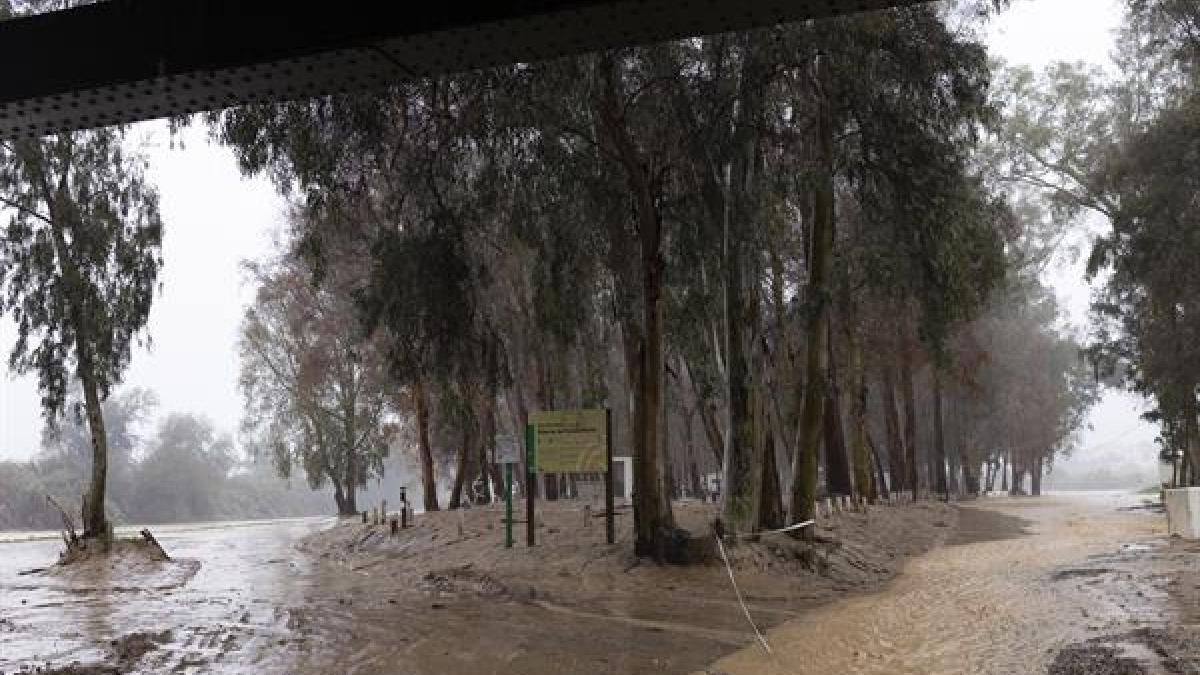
(1022, 581)
(444, 600)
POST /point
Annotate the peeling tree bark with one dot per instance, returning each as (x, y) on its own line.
(891, 417)
(804, 481)
(908, 392)
(837, 464)
(428, 483)
(858, 417)
(939, 439)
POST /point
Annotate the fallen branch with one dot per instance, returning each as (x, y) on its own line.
(70, 538)
(154, 542)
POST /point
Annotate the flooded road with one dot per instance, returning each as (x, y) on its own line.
(1021, 580)
(1018, 583)
(237, 605)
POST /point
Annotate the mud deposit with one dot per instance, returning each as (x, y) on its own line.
(141, 616)
(441, 597)
(1027, 585)
(1151, 590)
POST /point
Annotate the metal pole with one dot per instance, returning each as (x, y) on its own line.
(610, 533)
(530, 479)
(508, 523)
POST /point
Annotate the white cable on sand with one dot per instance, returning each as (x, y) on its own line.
(762, 640)
(789, 528)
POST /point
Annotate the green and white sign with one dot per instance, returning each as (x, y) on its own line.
(571, 441)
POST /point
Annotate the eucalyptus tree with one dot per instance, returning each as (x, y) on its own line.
(314, 387)
(926, 236)
(79, 264)
(600, 131)
(66, 446)
(1119, 147)
(395, 171)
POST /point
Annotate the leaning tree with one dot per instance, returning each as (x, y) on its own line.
(79, 262)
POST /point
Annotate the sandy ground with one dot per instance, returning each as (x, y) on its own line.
(446, 597)
(1082, 590)
(1068, 585)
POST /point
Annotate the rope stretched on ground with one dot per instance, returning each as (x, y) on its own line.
(736, 591)
(762, 640)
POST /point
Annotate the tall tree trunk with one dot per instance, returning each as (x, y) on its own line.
(657, 522)
(462, 467)
(804, 481)
(654, 523)
(1191, 444)
(970, 479)
(95, 524)
(862, 453)
(349, 501)
(881, 484)
(743, 469)
(938, 479)
(339, 497)
(350, 481)
(837, 462)
(428, 483)
(743, 497)
(770, 510)
(858, 416)
(909, 393)
(1018, 474)
(490, 470)
(1035, 487)
(712, 431)
(1004, 467)
(891, 418)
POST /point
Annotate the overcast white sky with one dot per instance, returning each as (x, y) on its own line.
(215, 218)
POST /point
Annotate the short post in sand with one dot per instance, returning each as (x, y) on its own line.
(610, 534)
(404, 508)
(508, 523)
(507, 452)
(530, 481)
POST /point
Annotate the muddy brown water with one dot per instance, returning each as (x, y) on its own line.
(1018, 582)
(1021, 581)
(232, 615)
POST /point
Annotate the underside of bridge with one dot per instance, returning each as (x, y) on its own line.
(123, 61)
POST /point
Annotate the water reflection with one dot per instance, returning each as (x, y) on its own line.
(237, 601)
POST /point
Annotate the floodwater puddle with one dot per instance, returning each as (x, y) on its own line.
(1026, 587)
(229, 592)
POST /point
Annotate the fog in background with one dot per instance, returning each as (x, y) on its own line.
(215, 219)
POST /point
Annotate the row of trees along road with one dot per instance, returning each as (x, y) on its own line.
(776, 241)
(1122, 146)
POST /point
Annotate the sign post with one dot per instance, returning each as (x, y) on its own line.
(530, 481)
(610, 533)
(508, 505)
(574, 441)
(507, 452)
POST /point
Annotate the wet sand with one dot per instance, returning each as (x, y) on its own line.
(436, 601)
(1064, 584)
(443, 597)
(1026, 585)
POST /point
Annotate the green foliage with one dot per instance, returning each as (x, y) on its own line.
(314, 386)
(79, 259)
